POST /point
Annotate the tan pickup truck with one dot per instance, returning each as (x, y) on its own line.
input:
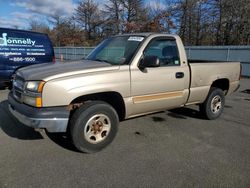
(125, 76)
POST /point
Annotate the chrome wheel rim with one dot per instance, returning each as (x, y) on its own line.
(216, 104)
(97, 128)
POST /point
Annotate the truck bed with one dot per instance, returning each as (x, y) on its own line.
(204, 72)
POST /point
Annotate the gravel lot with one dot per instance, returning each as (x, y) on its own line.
(169, 149)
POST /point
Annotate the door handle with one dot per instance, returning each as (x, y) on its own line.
(179, 74)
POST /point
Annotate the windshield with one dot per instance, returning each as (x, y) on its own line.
(116, 50)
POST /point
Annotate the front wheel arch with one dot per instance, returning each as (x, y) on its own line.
(113, 98)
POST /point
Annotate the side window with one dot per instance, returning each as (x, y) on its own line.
(165, 49)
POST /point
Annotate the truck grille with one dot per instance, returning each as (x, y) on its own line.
(18, 87)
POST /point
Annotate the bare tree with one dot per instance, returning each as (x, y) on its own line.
(198, 22)
(88, 15)
(231, 23)
(38, 26)
(134, 15)
(113, 10)
(160, 18)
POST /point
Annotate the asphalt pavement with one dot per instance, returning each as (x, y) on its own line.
(174, 148)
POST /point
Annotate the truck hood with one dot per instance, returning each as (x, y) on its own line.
(50, 71)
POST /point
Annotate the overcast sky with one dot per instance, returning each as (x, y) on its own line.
(19, 13)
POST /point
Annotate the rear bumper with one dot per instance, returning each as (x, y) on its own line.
(53, 119)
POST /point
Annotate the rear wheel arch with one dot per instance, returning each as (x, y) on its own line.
(222, 84)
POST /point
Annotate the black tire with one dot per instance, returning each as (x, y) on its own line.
(85, 136)
(212, 111)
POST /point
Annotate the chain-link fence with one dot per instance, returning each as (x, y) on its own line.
(221, 53)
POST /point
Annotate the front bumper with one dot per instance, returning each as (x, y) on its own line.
(53, 119)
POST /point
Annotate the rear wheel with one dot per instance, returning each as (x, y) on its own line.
(213, 106)
(93, 126)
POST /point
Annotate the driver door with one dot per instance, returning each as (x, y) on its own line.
(163, 87)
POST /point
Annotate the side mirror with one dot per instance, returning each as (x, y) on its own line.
(149, 61)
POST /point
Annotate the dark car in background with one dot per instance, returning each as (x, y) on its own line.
(19, 48)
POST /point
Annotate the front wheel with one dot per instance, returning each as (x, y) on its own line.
(93, 126)
(213, 106)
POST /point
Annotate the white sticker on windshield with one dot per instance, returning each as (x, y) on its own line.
(139, 39)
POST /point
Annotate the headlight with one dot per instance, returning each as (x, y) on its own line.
(35, 86)
(33, 93)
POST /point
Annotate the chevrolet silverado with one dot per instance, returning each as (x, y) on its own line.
(125, 76)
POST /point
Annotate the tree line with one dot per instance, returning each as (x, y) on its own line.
(198, 22)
